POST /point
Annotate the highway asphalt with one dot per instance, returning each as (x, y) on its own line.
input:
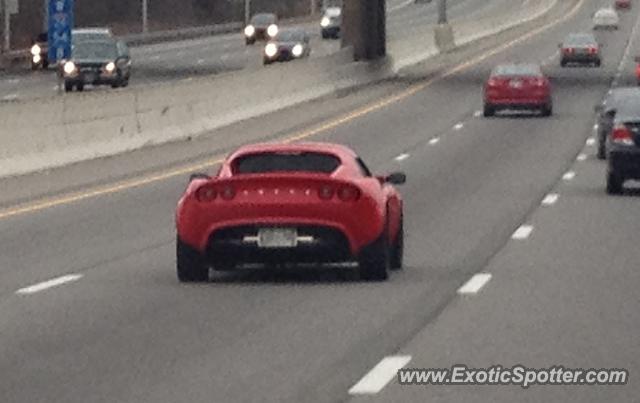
(119, 327)
(227, 53)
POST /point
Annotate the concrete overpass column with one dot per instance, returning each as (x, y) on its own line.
(364, 28)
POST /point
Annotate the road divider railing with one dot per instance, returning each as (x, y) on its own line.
(45, 133)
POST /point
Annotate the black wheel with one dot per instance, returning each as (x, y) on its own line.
(563, 63)
(598, 63)
(124, 83)
(397, 250)
(547, 110)
(68, 87)
(190, 265)
(250, 41)
(80, 87)
(614, 183)
(45, 65)
(325, 35)
(488, 110)
(374, 261)
(115, 84)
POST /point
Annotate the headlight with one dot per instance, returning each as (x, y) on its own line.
(325, 22)
(271, 49)
(297, 50)
(272, 31)
(36, 59)
(110, 67)
(249, 30)
(69, 67)
(36, 49)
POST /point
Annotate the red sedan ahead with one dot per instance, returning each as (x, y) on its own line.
(623, 4)
(290, 203)
(517, 86)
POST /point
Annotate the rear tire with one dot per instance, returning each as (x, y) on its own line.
(614, 183)
(250, 41)
(547, 110)
(68, 87)
(488, 110)
(374, 260)
(602, 151)
(190, 265)
(397, 251)
(598, 63)
(563, 63)
(80, 87)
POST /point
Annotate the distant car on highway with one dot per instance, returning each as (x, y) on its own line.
(606, 18)
(97, 62)
(623, 4)
(40, 52)
(331, 22)
(623, 148)
(263, 26)
(517, 86)
(619, 98)
(289, 44)
(274, 204)
(581, 49)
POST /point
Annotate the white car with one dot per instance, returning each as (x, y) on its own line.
(606, 18)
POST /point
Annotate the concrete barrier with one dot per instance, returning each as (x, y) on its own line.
(51, 132)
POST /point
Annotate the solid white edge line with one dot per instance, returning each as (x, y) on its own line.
(591, 141)
(522, 233)
(550, 199)
(475, 283)
(380, 375)
(569, 176)
(49, 284)
(402, 157)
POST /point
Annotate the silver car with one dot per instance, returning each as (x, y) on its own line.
(606, 18)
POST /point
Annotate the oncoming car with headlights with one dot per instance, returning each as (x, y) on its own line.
(331, 22)
(39, 52)
(262, 26)
(104, 62)
(277, 204)
(289, 44)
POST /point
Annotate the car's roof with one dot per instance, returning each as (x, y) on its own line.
(333, 11)
(92, 30)
(320, 147)
(580, 37)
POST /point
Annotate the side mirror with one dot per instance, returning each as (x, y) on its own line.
(396, 178)
(198, 176)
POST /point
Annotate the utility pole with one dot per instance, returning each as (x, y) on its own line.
(7, 25)
(445, 40)
(314, 7)
(145, 16)
(247, 11)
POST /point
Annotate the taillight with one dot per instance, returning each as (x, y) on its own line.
(326, 192)
(227, 193)
(638, 70)
(593, 50)
(493, 82)
(568, 50)
(206, 194)
(540, 82)
(621, 135)
(348, 193)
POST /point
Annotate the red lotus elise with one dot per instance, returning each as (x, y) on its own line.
(290, 203)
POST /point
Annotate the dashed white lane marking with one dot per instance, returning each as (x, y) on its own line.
(459, 126)
(550, 199)
(434, 141)
(477, 114)
(225, 56)
(569, 176)
(187, 79)
(522, 233)
(49, 284)
(596, 126)
(374, 381)
(402, 157)
(581, 157)
(10, 97)
(200, 61)
(13, 81)
(591, 141)
(156, 57)
(475, 284)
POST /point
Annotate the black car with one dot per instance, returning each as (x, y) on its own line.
(40, 52)
(289, 44)
(623, 147)
(103, 62)
(263, 26)
(331, 22)
(581, 49)
(625, 97)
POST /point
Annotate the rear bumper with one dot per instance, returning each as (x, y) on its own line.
(518, 103)
(317, 244)
(624, 161)
(280, 57)
(580, 58)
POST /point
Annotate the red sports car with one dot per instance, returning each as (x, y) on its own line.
(517, 86)
(623, 4)
(290, 203)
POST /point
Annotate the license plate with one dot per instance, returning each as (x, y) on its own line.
(89, 77)
(277, 238)
(515, 84)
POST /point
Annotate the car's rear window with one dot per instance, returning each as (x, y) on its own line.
(286, 162)
(580, 39)
(517, 70)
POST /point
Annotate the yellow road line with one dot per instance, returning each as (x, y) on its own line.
(146, 180)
